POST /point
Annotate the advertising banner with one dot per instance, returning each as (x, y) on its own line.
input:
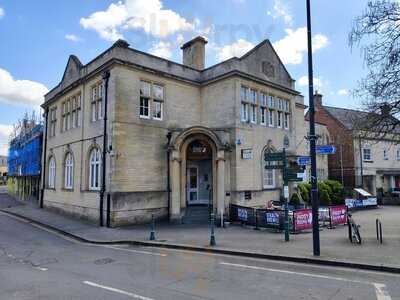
(272, 219)
(338, 215)
(302, 219)
(242, 214)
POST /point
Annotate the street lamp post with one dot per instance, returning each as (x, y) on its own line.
(312, 138)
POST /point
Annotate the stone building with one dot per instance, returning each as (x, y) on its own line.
(3, 169)
(179, 137)
(359, 161)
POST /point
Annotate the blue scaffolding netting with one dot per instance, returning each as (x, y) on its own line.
(24, 154)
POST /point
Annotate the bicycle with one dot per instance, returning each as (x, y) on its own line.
(354, 232)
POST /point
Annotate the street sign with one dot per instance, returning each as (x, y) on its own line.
(304, 160)
(274, 156)
(325, 149)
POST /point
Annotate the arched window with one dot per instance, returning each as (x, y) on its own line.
(69, 171)
(51, 183)
(94, 169)
(269, 174)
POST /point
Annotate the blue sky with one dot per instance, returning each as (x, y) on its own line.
(38, 36)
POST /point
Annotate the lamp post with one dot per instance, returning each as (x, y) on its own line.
(312, 138)
(286, 188)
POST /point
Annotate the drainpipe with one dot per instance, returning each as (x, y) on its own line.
(106, 76)
(361, 163)
(46, 115)
(169, 136)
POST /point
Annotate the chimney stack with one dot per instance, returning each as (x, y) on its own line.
(318, 99)
(194, 53)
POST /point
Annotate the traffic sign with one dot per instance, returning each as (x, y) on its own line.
(325, 149)
(304, 160)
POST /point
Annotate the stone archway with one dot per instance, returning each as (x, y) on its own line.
(180, 147)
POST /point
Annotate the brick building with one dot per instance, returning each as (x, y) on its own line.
(179, 137)
(359, 161)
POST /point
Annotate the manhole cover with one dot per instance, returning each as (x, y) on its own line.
(103, 261)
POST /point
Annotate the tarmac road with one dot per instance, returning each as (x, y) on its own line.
(38, 264)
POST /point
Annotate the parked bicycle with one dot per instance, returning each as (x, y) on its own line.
(354, 232)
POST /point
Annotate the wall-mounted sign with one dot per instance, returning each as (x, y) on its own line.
(325, 149)
(247, 153)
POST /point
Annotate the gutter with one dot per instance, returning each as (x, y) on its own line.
(106, 76)
(46, 116)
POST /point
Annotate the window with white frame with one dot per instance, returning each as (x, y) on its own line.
(158, 101)
(279, 119)
(263, 109)
(385, 154)
(94, 169)
(52, 121)
(51, 182)
(144, 105)
(271, 118)
(97, 102)
(68, 171)
(253, 106)
(244, 110)
(76, 111)
(286, 121)
(367, 154)
(66, 114)
(269, 178)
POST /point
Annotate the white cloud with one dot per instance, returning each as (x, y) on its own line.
(2, 13)
(280, 10)
(24, 92)
(293, 46)
(73, 38)
(162, 49)
(303, 81)
(236, 49)
(146, 15)
(343, 92)
(5, 131)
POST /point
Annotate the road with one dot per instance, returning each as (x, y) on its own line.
(39, 264)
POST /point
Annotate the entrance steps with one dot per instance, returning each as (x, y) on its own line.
(196, 215)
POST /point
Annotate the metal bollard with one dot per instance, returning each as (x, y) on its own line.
(378, 225)
(153, 227)
(212, 237)
(256, 219)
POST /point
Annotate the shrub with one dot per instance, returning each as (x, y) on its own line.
(295, 200)
(324, 192)
(304, 189)
(337, 191)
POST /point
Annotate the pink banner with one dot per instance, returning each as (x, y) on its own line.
(302, 219)
(338, 215)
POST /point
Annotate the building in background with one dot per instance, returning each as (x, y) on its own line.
(371, 163)
(24, 159)
(181, 138)
(3, 169)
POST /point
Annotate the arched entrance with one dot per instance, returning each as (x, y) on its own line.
(197, 174)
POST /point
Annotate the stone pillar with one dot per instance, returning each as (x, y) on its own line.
(220, 183)
(175, 206)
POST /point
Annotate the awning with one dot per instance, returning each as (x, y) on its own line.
(363, 192)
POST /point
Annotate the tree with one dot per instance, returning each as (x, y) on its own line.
(377, 32)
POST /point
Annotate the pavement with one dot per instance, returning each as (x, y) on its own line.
(237, 240)
(36, 263)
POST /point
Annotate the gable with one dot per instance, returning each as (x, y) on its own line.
(72, 71)
(263, 61)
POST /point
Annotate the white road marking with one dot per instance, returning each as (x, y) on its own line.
(41, 269)
(134, 251)
(111, 289)
(381, 292)
(380, 288)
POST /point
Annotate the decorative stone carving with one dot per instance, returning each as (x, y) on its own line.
(268, 69)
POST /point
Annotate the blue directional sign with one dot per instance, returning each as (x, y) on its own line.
(304, 160)
(325, 149)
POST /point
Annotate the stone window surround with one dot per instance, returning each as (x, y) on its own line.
(284, 107)
(152, 99)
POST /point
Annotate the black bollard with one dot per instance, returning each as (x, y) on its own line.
(152, 233)
(212, 237)
(380, 232)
